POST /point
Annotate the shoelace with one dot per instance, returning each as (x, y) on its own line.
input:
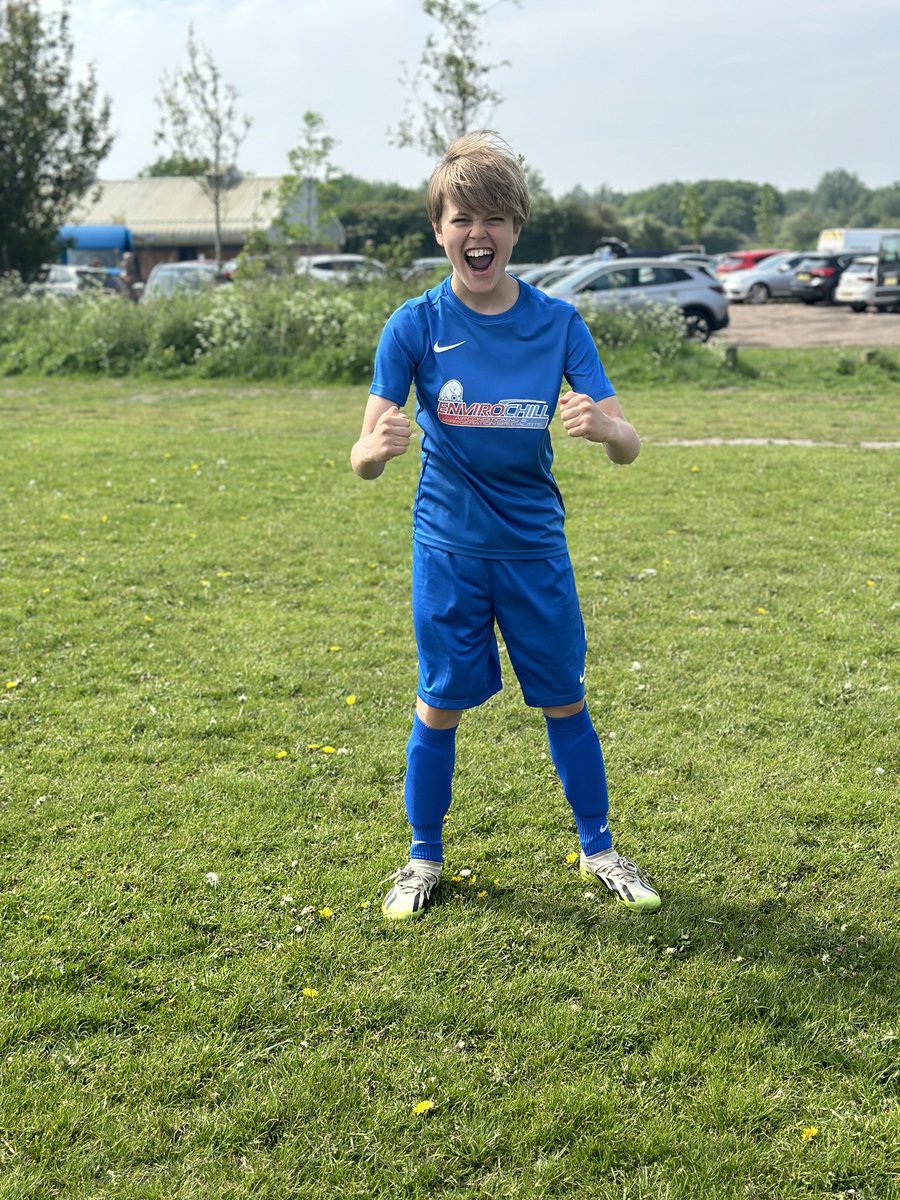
(410, 879)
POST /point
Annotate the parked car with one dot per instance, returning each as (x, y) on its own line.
(542, 276)
(64, 280)
(770, 278)
(856, 285)
(168, 279)
(640, 282)
(340, 268)
(742, 260)
(887, 274)
(816, 277)
(424, 268)
(696, 258)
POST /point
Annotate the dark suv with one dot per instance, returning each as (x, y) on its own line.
(816, 277)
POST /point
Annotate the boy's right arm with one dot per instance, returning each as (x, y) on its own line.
(385, 435)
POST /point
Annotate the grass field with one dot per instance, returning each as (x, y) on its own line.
(206, 684)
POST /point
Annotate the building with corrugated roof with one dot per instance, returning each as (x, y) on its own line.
(170, 218)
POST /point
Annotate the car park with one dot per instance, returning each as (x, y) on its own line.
(769, 280)
(638, 283)
(856, 285)
(742, 260)
(816, 277)
(340, 268)
(170, 279)
(64, 280)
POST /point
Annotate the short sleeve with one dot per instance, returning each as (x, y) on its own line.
(583, 370)
(396, 357)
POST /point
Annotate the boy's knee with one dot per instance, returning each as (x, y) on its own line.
(564, 710)
(437, 718)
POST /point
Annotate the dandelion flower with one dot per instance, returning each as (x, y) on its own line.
(572, 857)
(281, 753)
(350, 700)
(333, 649)
(310, 992)
(809, 1133)
(870, 583)
(314, 745)
(364, 903)
(212, 878)
(12, 683)
(327, 913)
(481, 895)
(695, 470)
(423, 1107)
(762, 611)
(329, 750)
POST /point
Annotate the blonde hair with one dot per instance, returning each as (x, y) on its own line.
(479, 172)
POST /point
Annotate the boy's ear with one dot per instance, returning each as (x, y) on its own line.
(438, 236)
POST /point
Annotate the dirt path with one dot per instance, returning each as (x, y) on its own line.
(803, 325)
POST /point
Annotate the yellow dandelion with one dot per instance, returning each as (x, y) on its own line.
(694, 470)
(350, 700)
(365, 904)
(281, 753)
(13, 683)
(809, 1133)
(314, 745)
(870, 583)
(423, 1107)
(456, 878)
(311, 992)
(104, 519)
(326, 913)
(148, 619)
(329, 750)
(496, 882)
(333, 649)
(762, 611)
(481, 895)
(572, 857)
(222, 574)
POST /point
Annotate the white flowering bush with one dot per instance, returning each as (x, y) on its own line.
(251, 329)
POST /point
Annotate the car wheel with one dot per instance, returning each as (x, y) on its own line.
(698, 325)
(758, 294)
(859, 307)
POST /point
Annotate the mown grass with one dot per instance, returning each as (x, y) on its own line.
(200, 998)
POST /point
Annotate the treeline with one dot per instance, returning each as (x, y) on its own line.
(720, 214)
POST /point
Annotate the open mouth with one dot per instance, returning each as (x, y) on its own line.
(479, 260)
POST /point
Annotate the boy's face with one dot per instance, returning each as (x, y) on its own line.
(479, 246)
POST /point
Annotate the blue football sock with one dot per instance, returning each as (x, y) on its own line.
(430, 759)
(578, 758)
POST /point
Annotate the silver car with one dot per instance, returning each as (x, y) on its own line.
(641, 282)
(768, 280)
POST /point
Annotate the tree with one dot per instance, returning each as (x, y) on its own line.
(837, 194)
(765, 213)
(174, 164)
(199, 122)
(305, 192)
(54, 133)
(693, 213)
(452, 74)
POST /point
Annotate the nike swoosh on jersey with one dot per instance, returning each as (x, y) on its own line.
(443, 349)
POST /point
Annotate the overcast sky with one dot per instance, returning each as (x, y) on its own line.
(627, 93)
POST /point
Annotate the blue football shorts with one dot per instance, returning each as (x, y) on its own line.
(457, 602)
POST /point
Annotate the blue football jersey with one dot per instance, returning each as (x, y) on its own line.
(486, 390)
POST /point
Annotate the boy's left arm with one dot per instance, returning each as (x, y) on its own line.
(600, 421)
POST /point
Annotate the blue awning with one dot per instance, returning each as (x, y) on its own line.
(97, 237)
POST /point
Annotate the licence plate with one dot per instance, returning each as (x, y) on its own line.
(890, 280)
(803, 276)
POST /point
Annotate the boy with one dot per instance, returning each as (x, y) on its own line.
(488, 354)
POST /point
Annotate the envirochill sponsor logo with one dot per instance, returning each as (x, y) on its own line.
(505, 414)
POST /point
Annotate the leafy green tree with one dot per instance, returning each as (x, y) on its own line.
(306, 192)
(837, 194)
(765, 213)
(174, 164)
(199, 122)
(449, 93)
(693, 214)
(53, 134)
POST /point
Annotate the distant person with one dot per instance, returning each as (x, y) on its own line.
(130, 273)
(488, 354)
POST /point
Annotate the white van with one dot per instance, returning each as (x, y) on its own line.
(852, 241)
